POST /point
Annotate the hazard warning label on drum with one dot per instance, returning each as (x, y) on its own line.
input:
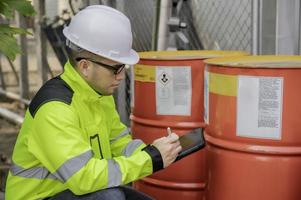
(259, 107)
(173, 90)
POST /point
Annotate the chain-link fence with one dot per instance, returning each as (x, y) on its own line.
(224, 24)
(141, 14)
(190, 32)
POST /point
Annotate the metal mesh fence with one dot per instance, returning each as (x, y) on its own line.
(190, 31)
(141, 14)
(224, 24)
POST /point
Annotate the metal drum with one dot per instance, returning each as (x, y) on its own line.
(253, 111)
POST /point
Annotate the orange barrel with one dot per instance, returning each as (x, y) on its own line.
(253, 110)
(168, 92)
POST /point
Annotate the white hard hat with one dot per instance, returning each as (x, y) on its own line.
(103, 31)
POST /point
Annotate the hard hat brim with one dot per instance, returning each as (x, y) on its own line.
(130, 59)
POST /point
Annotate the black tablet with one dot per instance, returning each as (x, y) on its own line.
(191, 142)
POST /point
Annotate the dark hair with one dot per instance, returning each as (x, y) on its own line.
(72, 56)
(74, 51)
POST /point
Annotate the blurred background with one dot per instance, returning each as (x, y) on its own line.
(256, 26)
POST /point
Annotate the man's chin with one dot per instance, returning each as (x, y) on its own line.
(108, 93)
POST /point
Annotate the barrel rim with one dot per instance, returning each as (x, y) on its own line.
(252, 148)
(172, 124)
(260, 61)
(174, 185)
(188, 54)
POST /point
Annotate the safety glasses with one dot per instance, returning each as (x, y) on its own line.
(115, 68)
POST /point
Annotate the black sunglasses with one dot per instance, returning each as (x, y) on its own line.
(115, 68)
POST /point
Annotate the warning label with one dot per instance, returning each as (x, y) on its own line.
(259, 107)
(268, 106)
(173, 90)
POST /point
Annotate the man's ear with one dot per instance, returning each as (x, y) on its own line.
(83, 67)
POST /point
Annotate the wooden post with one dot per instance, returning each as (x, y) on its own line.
(41, 48)
(24, 86)
(13, 69)
(2, 21)
(2, 77)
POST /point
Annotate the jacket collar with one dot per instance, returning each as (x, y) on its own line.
(78, 84)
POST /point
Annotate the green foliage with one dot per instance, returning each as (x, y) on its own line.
(8, 43)
(24, 7)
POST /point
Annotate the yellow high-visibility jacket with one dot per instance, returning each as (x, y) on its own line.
(72, 138)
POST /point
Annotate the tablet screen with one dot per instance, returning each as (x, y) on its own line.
(191, 142)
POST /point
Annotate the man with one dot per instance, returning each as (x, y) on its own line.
(72, 144)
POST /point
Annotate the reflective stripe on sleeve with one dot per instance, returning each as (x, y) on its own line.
(114, 174)
(131, 147)
(123, 133)
(73, 165)
(34, 172)
(66, 170)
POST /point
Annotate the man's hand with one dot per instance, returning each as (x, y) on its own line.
(169, 148)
